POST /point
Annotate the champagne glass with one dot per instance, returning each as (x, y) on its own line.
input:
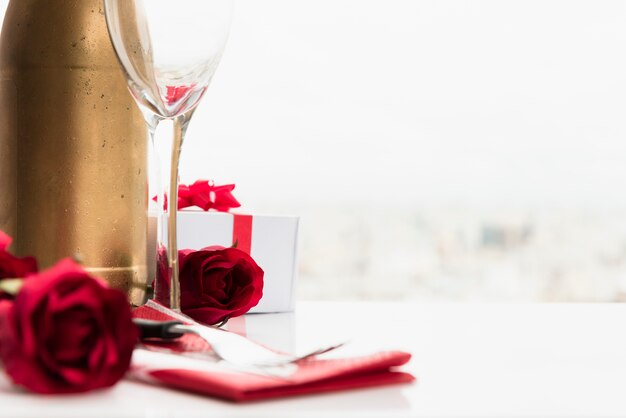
(169, 51)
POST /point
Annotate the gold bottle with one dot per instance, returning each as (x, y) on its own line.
(72, 143)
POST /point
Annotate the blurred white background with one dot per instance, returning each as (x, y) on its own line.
(436, 150)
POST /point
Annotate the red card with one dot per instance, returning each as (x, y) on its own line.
(311, 376)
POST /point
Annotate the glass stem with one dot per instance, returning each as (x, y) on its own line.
(172, 209)
(180, 128)
(167, 155)
(156, 210)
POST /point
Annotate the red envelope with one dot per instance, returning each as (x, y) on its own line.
(311, 376)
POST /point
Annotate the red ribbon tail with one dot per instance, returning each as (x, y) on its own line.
(242, 232)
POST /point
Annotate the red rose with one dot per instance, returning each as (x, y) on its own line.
(11, 266)
(66, 332)
(217, 283)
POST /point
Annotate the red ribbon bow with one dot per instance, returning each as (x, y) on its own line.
(206, 195)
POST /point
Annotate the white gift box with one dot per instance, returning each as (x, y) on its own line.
(273, 246)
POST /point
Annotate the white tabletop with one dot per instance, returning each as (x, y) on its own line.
(470, 360)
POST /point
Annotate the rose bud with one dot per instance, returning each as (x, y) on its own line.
(217, 283)
(66, 332)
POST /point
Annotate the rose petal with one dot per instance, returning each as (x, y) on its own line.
(75, 335)
(76, 377)
(15, 267)
(77, 293)
(5, 241)
(213, 284)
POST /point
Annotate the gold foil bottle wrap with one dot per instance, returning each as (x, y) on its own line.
(72, 143)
